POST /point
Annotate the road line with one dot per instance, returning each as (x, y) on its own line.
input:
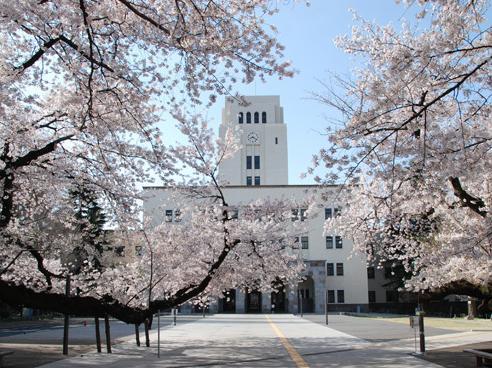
(294, 355)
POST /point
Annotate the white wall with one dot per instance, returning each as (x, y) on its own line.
(274, 156)
(354, 281)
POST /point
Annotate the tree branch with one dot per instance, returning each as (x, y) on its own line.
(466, 199)
(45, 47)
(144, 17)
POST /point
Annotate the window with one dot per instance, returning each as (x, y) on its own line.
(339, 269)
(249, 163)
(372, 296)
(248, 181)
(276, 140)
(177, 215)
(169, 215)
(241, 117)
(340, 296)
(329, 269)
(138, 251)
(248, 118)
(263, 117)
(303, 214)
(304, 242)
(257, 117)
(257, 180)
(295, 214)
(257, 162)
(338, 242)
(391, 296)
(337, 212)
(327, 213)
(329, 242)
(370, 272)
(331, 296)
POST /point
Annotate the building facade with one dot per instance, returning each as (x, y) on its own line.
(259, 170)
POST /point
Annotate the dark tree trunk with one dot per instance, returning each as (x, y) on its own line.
(472, 308)
(137, 334)
(98, 335)
(66, 321)
(108, 333)
(147, 339)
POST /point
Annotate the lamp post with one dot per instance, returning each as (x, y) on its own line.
(158, 333)
(300, 302)
(326, 306)
(326, 293)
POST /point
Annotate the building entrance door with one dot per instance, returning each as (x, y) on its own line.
(253, 302)
(229, 301)
(278, 301)
(306, 295)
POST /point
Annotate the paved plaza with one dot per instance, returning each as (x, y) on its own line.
(244, 340)
(264, 341)
(373, 330)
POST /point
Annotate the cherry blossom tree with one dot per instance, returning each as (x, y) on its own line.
(83, 85)
(209, 251)
(414, 149)
(214, 246)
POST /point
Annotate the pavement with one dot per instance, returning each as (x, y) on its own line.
(444, 346)
(35, 343)
(373, 330)
(454, 357)
(278, 340)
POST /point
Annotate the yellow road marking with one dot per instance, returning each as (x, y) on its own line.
(294, 355)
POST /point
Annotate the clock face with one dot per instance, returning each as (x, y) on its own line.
(253, 137)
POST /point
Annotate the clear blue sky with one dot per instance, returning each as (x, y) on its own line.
(308, 34)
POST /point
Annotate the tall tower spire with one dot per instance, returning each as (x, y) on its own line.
(262, 159)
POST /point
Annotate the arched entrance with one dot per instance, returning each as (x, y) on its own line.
(278, 301)
(278, 297)
(228, 302)
(253, 302)
(306, 295)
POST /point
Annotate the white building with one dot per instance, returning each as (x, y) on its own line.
(260, 170)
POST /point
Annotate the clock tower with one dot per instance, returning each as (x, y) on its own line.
(262, 159)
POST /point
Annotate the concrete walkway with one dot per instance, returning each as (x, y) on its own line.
(251, 341)
(373, 330)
